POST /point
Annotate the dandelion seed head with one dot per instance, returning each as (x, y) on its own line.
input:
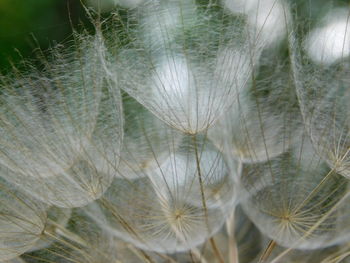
(158, 128)
(292, 209)
(240, 6)
(22, 222)
(270, 21)
(172, 82)
(329, 43)
(139, 214)
(110, 5)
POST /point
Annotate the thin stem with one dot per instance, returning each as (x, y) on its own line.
(62, 231)
(197, 254)
(313, 228)
(140, 254)
(232, 244)
(66, 243)
(200, 180)
(272, 244)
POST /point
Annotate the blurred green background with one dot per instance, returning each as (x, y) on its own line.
(25, 24)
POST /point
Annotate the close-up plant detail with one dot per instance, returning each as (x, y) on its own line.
(181, 131)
